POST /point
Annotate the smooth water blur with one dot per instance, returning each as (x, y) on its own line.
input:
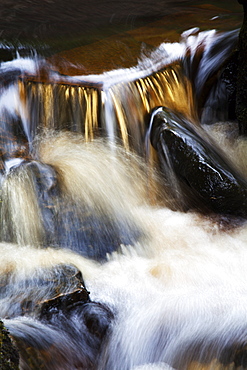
(84, 206)
(117, 104)
(173, 296)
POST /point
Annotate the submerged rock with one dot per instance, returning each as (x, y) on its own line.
(55, 324)
(200, 176)
(38, 209)
(47, 289)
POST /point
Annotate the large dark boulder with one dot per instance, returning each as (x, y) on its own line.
(198, 173)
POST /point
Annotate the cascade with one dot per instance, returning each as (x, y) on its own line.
(123, 213)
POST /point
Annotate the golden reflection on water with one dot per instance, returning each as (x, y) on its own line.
(61, 106)
(83, 109)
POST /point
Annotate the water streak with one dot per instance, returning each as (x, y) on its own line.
(115, 103)
(167, 288)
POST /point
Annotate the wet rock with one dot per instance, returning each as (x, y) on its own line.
(200, 176)
(66, 340)
(63, 302)
(9, 357)
(63, 219)
(235, 354)
(55, 324)
(47, 288)
(66, 290)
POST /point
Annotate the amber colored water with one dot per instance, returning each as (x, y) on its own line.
(122, 49)
(178, 287)
(97, 36)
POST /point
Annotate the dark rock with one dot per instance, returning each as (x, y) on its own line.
(65, 340)
(235, 354)
(60, 327)
(48, 288)
(63, 302)
(230, 79)
(9, 357)
(199, 173)
(241, 92)
(68, 222)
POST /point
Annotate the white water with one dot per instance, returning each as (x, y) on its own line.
(178, 290)
(207, 50)
(179, 296)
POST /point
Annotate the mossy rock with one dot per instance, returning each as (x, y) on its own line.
(9, 357)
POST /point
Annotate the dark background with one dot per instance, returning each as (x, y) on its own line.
(111, 31)
(32, 19)
(39, 18)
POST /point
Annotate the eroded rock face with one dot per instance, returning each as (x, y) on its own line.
(9, 357)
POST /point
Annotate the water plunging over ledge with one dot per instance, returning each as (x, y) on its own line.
(99, 194)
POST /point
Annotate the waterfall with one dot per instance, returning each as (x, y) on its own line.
(123, 213)
(173, 75)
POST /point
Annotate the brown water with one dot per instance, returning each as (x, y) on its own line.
(122, 47)
(167, 288)
(107, 34)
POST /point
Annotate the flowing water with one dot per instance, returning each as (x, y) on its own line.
(100, 268)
